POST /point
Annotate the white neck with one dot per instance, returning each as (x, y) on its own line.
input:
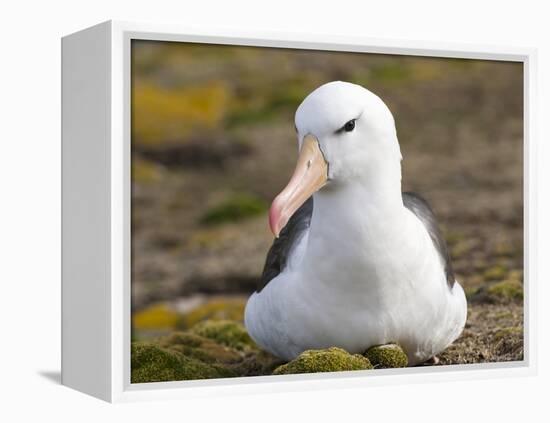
(358, 221)
(366, 200)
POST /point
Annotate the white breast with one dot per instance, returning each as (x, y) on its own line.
(358, 286)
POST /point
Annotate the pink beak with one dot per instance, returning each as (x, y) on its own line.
(310, 175)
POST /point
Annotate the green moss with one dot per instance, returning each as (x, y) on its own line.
(329, 360)
(186, 355)
(200, 348)
(387, 356)
(226, 309)
(233, 209)
(510, 289)
(225, 332)
(495, 273)
(152, 363)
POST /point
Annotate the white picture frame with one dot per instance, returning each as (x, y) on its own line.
(96, 212)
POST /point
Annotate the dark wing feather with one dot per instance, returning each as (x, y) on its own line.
(420, 207)
(278, 254)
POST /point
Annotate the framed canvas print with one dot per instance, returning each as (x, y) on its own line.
(261, 212)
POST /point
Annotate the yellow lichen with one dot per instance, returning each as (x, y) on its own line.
(157, 316)
(222, 309)
(167, 114)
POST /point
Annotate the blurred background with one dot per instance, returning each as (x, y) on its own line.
(213, 142)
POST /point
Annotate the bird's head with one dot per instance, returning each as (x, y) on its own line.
(345, 134)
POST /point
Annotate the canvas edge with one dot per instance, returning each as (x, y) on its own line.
(85, 205)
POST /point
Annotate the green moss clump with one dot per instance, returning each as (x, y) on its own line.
(152, 363)
(328, 360)
(510, 289)
(200, 348)
(225, 332)
(387, 356)
(233, 209)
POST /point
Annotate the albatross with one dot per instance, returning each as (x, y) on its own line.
(355, 262)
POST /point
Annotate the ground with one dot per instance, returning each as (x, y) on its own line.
(213, 142)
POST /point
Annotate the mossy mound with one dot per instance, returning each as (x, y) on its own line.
(503, 292)
(153, 363)
(200, 348)
(226, 309)
(328, 360)
(387, 356)
(510, 289)
(187, 355)
(225, 332)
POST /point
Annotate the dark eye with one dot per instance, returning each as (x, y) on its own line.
(349, 126)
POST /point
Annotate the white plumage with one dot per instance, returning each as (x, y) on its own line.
(366, 272)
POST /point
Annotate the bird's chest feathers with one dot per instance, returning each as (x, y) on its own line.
(367, 248)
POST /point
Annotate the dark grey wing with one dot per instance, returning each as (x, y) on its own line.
(420, 207)
(278, 254)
